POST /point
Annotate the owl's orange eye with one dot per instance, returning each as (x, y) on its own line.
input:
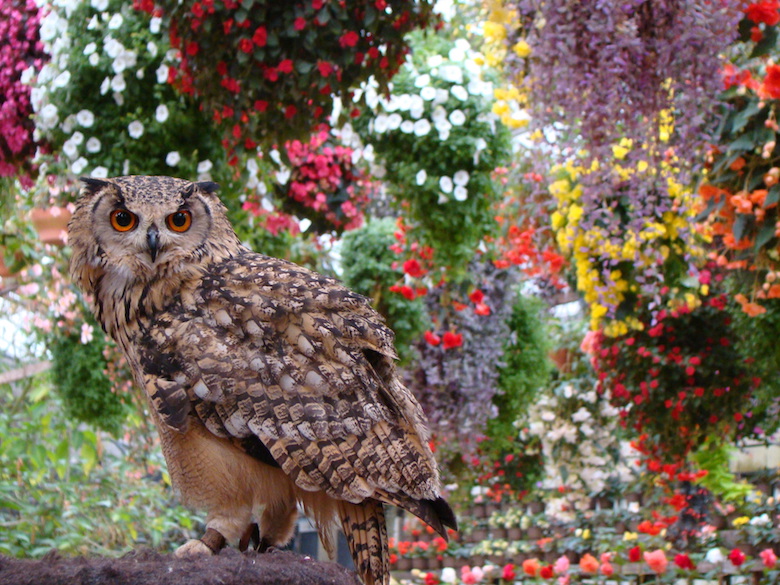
(179, 221)
(122, 220)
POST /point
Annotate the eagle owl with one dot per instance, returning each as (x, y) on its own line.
(271, 386)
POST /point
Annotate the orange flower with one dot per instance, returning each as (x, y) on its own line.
(531, 567)
(770, 88)
(656, 560)
(738, 164)
(589, 564)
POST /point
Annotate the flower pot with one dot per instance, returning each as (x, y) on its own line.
(404, 564)
(534, 533)
(499, 533)
(514, 534)
(51, 224)
(420, 563)
(478, 535)
(536, 507)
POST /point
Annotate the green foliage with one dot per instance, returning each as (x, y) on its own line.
(79, 376)
(713, 456)
(367, 262)
(525, 369)
(63, 487)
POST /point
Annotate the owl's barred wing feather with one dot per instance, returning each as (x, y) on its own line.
(301, 363)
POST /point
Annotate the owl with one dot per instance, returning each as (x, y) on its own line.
(273, 388)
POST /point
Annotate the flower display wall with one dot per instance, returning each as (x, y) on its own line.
(104, 103)
(270, 73)
(439, 143)
(21, 54)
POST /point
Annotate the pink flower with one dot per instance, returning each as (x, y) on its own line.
(768, 557)
(656, 560)
(562, 565)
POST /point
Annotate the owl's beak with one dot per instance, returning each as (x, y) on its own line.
(153, 241)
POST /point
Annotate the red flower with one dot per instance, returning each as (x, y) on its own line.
(271, 74)
(325, 68)
(412, 268)
(246, 45)
(546, 572)
(771, 86)
(508, 573)
(348, 39)
(260, 38)
(380, 4)
(406, 291)
(431, 579)
(317, 4)
(285, 66)
(737, 557)
(683, 561)
(482, 309)
(431, 338)
(300, 23)
(452, 340)
(290, 111)
(477, 296)
(192, 48)
(765, 11)
(531, 567)
(261, 105)
(635, 554)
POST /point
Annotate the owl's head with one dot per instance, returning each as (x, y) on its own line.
(137, 229)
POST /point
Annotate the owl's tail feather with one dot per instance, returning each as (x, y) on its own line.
(366, 532)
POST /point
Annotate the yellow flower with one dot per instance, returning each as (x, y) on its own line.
(741, 521)
(522, 49)
(494, 31)
(556, 220)
(500, 108)
(629, 536)
(575, 213)
(619, 152)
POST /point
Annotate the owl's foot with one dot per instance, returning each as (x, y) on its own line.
(251, 535)
(211, 543)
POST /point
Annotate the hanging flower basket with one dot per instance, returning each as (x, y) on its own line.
(51, 224)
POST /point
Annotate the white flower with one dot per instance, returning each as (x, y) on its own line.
(161, 113)
(407, 126)
(451, 73)
(154, 25)
(93, 145)
(118, 83)
(443, 134)
(457, 54)
(125, 60)
(48, 27)
(99, 5)
(581, 415)
(79, 165)
(205, 166)
(62, 79)
(99, 172)
(105, 86)
(94, 59)
(135, 129)
(442, 95)
(89, 49)
(438, 116)
(422, 127)
(421, 177)
(85, 118)
(86, 333)
(460, 193)
(416, 106)
(93, 23)
(435, 60)
(68, 124)
(403, 102)
(162, 74)
(476, 87)
(27, 75)
(461, 178)
(448, 575)
(714, 556)
(445, 184)
(119, 99)
(115, 22)
(422, 80)
(457, 118)
(151, 47)
(172, 158)
(548, 416)
(77, 138)
(428, 93)
(459, 92)
(112, 46)
(140, 73)
(380, 124)
(49, 116)
(394, 121)
(70, 149)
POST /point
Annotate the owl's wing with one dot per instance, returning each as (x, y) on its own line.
(280, 354)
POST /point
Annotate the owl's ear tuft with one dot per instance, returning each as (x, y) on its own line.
(92, 186)
(209, 187)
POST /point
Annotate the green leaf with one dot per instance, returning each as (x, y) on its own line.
(740, 226)
(765, 235)
(773, 196)
(766, 44)
(742, 117)
(303, 67)
(745, 25)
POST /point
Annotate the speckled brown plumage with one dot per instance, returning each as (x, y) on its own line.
(271, 385)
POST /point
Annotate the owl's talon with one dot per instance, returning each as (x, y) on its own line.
(211, 543)
(251, 535)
